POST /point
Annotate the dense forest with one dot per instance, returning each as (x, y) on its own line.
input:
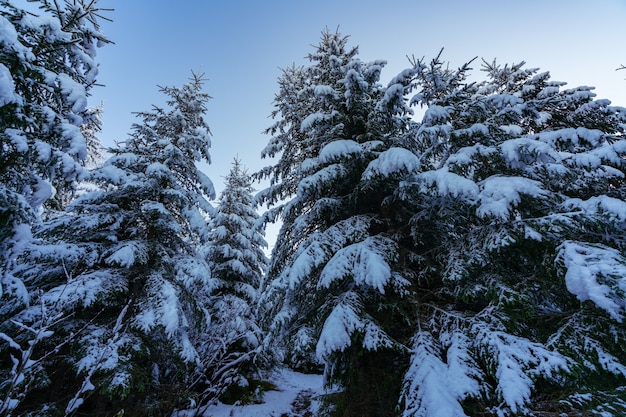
(452, 244)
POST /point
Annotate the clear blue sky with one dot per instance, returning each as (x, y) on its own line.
(240, 45)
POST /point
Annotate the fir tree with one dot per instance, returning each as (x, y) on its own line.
(236, 252)
(477, 255)
(333, 280)
(237, 264)
(125, 263)
(519, 226)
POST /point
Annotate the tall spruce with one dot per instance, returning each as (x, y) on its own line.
(237, 264)
(335, 287)
(124, 266)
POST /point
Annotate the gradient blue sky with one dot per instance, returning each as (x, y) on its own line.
(240, 45)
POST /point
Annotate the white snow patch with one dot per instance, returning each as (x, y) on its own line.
(590, 270)
(530, 233)
(314, 118)
(275, 403)
(128, 254)
(84, 289)
(342, 323)
(467, 154)
(16, 136)
(324, 90)
(434, 387)
(74, 92)
(322, 245)
(7, 87)
(613, 207)
(576, 136)
(207, 185)
(514, 130)
(338, 149)
(523, 151)
(391, 161)
(500, 194)
(450, 184)
(309, 185)
(436, 115)
(338, 328)
(517, 361)
(365, 262)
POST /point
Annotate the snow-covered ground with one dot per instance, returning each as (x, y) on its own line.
(290, 386)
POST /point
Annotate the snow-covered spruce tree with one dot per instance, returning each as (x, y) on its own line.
(47, 66)
(237, 264)
(335, 284)
(125, 263)
(520, 223)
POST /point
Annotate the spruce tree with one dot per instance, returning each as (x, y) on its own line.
(237, 264)
(518, 220)
(476, 255)
(334, 283)
(124, 264)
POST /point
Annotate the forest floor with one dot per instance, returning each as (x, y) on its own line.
(294, 395)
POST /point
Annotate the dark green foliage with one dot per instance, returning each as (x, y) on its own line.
(456, 251)
(124, 266)
(336, 227)
(237, 262)
(469, 263)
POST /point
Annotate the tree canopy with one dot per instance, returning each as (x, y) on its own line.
(477, 252)
(465, 259)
